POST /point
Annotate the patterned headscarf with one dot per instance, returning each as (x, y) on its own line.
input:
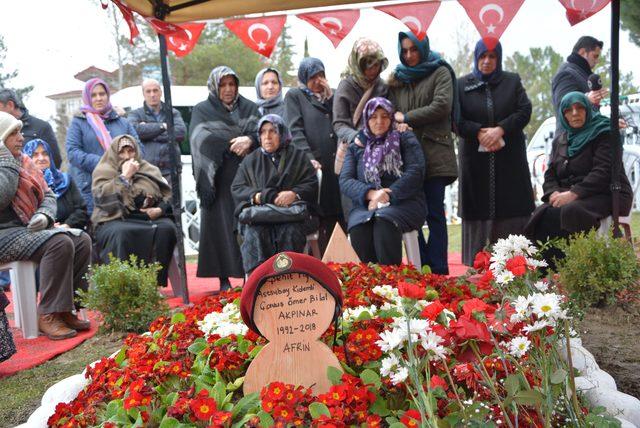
(281, 127)
(264, 103)
(57, 180)
(213, 83)
(381, 154)
(95, 117)
(364, 54)
(481, 48)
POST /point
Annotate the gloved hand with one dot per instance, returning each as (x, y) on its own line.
(38, 222)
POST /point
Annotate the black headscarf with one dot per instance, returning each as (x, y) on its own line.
(480, 50)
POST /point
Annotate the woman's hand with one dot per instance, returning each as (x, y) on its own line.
(399, 117)
(559, 199)
(490, 138)
(316, 164)
(241, 145)
(129, 168)
(38, 222)
(285, 198)
(378, 196)
(403, 127)
(153, 213)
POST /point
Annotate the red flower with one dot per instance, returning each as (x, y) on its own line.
(412, 291)
(411, 418)
(474, 305)
(220, 418)
(482, 261)
(203, 407)
(517, 265)
(437, 381)
(432, 311)
(466, 327)
(283, 412)
(276, 390)
(484, 282)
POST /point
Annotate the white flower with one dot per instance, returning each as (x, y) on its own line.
(541, 286)
(521, 306)
(352, 314)
(399, 376)
(505, 277)
(538, 325)
(389, 364)
(223, 323)
(390, 340)
(386, 291)
(431, 342)
(546, 305)
(518, 346)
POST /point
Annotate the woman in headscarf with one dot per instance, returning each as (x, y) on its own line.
(382, 175)
(577, 193)
(310, 113)
(223, 132)
(422, 88)
(280, 174)
(269, 92)
(495, 193)
(90, 134)
(27, 233)
(71, 208)
(132, 207)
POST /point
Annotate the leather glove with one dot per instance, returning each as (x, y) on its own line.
(38, 222)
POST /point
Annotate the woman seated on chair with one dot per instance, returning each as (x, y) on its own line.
(277, 176)
(27, 215)
(71, 208)
(577, 194)
(132, 203)
(383, 177)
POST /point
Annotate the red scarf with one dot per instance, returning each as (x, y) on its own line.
(31, 190)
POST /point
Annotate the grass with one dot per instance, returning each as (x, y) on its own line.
(23, 391)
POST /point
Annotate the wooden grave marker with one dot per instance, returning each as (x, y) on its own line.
(339, 249)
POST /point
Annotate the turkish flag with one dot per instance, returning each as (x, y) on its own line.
(259, 34)
(491, 17)
(579, 10)
(182, 47)
(416, 16)
(335, 24)
(129, 18)
(166, 28)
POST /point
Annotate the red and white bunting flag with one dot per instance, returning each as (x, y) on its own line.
(579, 10)
(182, 47)
(129, 18)
(491, 17)
(259, 34)
(416, 16)
(335, 24)
(166, 28)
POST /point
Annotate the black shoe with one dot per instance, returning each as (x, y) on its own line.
(225, 284)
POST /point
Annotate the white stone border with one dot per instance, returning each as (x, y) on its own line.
(598, 387)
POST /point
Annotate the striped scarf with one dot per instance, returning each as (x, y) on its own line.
(31, 190)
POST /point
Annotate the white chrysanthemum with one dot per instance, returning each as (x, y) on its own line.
(390, 340)
(538, 325)
(546, 305)
(352, 314)
(399, 376)
(431, 343)
(518, 346)
(521, 306)
(505, 277)
(541, 286)
(223, 323)
(386, 291)
(389, 365)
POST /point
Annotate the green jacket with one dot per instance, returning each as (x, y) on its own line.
(427, 108)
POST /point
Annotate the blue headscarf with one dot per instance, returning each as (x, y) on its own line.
(429, 61)
(481, 48)
(57, 181)
(308, 68)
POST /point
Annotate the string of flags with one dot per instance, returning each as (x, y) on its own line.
(490, 17)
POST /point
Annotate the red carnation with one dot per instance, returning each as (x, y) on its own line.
(432, 311)
(437, 381)
(517, 265)
(474, 305)
(467, 327)
(482, 261)
(412, 291)
(411, 418)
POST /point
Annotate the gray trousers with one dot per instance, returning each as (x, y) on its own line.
(63, 260)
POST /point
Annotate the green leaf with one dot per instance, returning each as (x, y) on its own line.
(368, 376)
(222, 341)
(512, 384)
(219, 392)
(168, 422)
(334, 374)
(243, 421)
(558, 376)
(122, 354)
(243, 346)
(318, 409)
(397, 425)
(178, 317)
(247, 403)
(197, 346)
(365, 315)
(255, 351)
(379, 407)
(529, 397)
(265, 419)
(426, 269)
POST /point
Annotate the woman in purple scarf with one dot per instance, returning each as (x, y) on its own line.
(383, 177)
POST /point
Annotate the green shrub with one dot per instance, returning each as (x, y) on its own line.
(596, 269)
(125, 293)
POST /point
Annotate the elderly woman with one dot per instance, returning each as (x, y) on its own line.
(310, 113)
(132, 207)
(382, 175)
(422, 88)
(269, 92)
(223, 132)
(71, 209)
(27, 214)
(279, 174)
(577, 192)
(90, 133)
(496, 197)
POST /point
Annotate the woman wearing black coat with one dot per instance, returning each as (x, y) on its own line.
(310, 113)
(495, 197)
(382, 174)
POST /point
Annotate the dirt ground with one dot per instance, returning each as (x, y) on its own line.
(612, 335)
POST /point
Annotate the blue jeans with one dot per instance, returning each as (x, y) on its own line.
(5, 280)
(434, 252)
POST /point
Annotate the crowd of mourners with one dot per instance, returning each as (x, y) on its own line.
(372, 155)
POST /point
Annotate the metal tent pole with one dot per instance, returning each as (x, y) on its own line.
(616, 146)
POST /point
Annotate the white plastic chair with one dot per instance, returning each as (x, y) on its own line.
(412, 249)
(23, 288)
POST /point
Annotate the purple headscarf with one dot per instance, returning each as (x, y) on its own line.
(381, 154)
(86, 98)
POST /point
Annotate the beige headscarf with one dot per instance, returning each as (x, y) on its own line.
(113, 199)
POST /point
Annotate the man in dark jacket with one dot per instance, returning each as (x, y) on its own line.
(150, 122)
(573, 75)
(32, 127)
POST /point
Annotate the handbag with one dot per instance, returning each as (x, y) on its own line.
(273, 214)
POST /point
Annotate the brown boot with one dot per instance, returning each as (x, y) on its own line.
(72, 321)
(53, 327)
